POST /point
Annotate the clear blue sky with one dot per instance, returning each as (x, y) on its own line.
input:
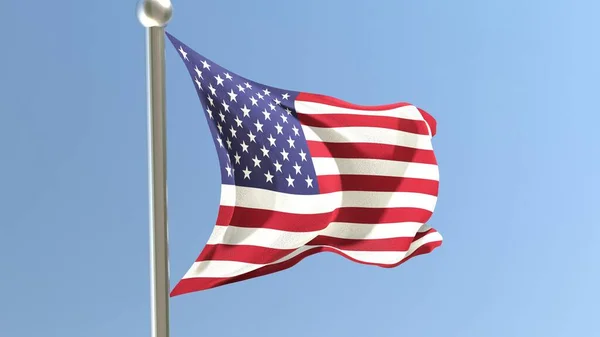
(514, 86)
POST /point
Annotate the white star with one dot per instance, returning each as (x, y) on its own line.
(246, 111)
(254, 101)
(290, 142)
(213, 91)
(232, 96)
(265, 152)
(225, 106)
(303, 155)
(256, 161)
(277, 102)
(285, 96)
(297, 168)
(252, 137)
(272, 106)
(277, 166)
(285, 155)
(220, 128)
(238, 121)
(219, 80)
(233, 132)
(210, 100)
(295, 129)
(284, 118)
(198, 83)
(198, 71)
(183, 53)
(290, 180)
(267, 92)
(222, 116)
(244, 146)
(205, 65)
(279, 128)
(228, 169)
(220, 141)
(267, 114)
(237, 158)
(209, 113)
(227, 76)
(289, 112)
(269, 177)
(247, 173)
(248, 85)
(308, 181)
(240, 88)
(258, 126)
(271, 140)
(228, 144)
(260, 96)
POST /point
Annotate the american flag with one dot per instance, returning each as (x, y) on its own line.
(304, 173)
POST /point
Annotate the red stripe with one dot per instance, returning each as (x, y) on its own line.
(430, 120)
(422, 234)
(265, 255)
(322, 99)
(197, 284)
(259, 218)
(347, 182)
(370, 151)
(347, 120)
(242, 253)
(374, 245)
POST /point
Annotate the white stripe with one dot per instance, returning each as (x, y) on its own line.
(311, 108)
(357, 134)
(280, 239)
(428, 129)
(221, 269)
(321, 203)
(375, 167)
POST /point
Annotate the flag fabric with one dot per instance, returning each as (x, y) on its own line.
(305, 173)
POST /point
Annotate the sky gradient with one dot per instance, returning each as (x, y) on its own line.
(513, 86)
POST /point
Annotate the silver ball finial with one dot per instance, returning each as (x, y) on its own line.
(154, 13)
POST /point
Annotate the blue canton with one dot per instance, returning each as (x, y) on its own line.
(258, 137)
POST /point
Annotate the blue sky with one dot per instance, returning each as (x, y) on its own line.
(513, 86)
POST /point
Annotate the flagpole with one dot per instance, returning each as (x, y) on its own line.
(154, 15)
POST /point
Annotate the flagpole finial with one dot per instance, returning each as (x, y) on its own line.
(154, 13)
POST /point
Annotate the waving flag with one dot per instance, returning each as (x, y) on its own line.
(304, 173)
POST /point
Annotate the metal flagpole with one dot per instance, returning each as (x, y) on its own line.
(154, 15)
